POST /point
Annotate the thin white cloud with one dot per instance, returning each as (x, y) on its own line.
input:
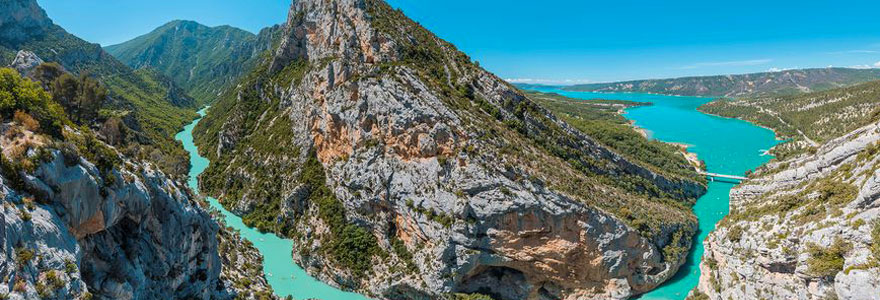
(548, 81)
(735, 63)
(872, 66)
(855, 52)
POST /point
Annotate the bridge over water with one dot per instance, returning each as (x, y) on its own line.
(716, 175)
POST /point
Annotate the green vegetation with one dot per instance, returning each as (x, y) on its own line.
(404, 255)
(821, 116)
(202, 60)
(830, 194)
(82, 97)
(829, 261)
(20, 94)
(875, 239)
(24, 215)
(36, 110)
(70, 267)
(758, 84)
(678, 245)
(350, 245)
(601, 120)
(474, 296)
(735, 233)
(697, 295)
(153, 112)
(23, 256)
(443, 218)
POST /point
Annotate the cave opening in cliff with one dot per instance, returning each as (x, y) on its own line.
(497, 282)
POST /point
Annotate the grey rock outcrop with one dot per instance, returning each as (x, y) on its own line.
(21, 20)
(74, 232)
(25, 62)
(457, 203)
(804, 228)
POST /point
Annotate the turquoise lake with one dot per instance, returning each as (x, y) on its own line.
(728, 146)
(285, 276)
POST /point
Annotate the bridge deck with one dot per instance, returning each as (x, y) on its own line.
(723, 176)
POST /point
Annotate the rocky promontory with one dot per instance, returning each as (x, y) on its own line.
(803, 228)
(403, 170)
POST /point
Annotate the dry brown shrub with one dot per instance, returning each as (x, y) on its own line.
(26, 120)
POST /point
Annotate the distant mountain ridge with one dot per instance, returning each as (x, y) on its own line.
(202, 60)
(808, 119)
(756, 84)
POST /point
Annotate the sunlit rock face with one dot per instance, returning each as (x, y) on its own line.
(135, 236)
(411, 140)
(803, 228)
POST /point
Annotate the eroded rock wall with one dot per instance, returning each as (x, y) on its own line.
(804, 228)
(457, 202)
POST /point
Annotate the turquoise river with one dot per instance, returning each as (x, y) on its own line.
(727, 146)
(285, 276)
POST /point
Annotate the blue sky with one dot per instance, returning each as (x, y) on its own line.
(565, 41)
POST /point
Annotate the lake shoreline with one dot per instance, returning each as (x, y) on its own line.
(726, 145)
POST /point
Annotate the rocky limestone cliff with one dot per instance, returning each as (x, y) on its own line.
(404, 171)
(803, 228)
(25, 62)
(137, 238)
(23, 19)
(71, 231)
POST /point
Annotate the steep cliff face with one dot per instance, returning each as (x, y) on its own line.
(803, 228)
(79, 220)
(24, 19)
(403, 170)
(130, 235)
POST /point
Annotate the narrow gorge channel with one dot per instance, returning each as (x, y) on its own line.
(285, 276)
(728, 146)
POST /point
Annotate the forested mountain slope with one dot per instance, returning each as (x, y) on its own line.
(202, 60)
(403, 170)
(757, 84)
(808, 119)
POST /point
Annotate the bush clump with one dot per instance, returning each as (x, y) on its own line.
(350, 245)
(26, 101)
(824, 262)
